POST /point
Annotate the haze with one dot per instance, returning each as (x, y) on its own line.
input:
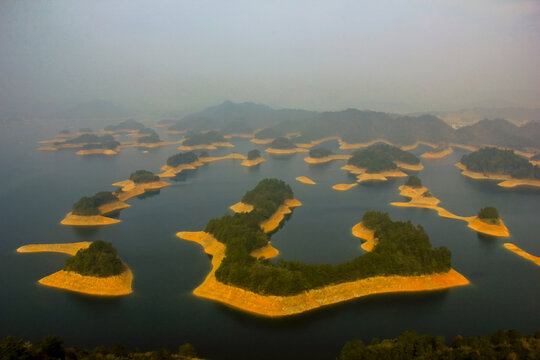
(183, 56)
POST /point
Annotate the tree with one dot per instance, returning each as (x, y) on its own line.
(489, 214)
(253, 154)
(414, 182)
(187, 350)
(51, 347)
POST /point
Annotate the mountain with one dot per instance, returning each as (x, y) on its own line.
(459, 118)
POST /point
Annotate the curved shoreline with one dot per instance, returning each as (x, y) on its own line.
(253, 162)
(108, 152)
(506, 180)
(319, 141)
(211, 146)
(273, 222)
(522, 253)
(131, 189)
(92, 220)
(276, 306)
(344, 187)
(305, 180)
(325, 159)
(170, 171)
(116, 285)
(363, 176)
(262, 141)
(285, 151)
(438, 154)
(363, 233)
(241, 207)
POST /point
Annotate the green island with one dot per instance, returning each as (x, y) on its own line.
(268, 133)
(320, 152)
(182, 158)
(414, 182)
(403, 249)
(143, 176)
(100, 259)
(151, 136)
(381, 157)
(206, 138)
(282, 143)
(127, 125)
(495, 161)
(253, 154)
(89, 205)
(489, 215)
(103, 140)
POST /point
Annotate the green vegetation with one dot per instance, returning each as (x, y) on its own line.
(204, 138)
(508, 344)
(92, 141)
(403, 249)
(87, 206)
(320, 152)
(253, 154)
(504, 162)
(381, 157)
(268, 134)
(153, 137)
(143, 176)
(125, 125)
(489, 214)
(182, 158)
(414, 182)
(282, 143)
(99, 259)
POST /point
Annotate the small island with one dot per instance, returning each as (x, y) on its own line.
(283, 146)
(94, 269)
(516, 250)
(265, 136)
(256, 285)
(210, 140)
(90, 144)
(89, 210)
(491, 163)
(139, 183)
(253, 158)
(125, 126)
(305, 180)
(344, 187)
(323, 155)
(180, 162)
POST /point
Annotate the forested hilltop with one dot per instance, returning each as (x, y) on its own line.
(496, 161)
(402, 249)
(381, 157)
(355, 126)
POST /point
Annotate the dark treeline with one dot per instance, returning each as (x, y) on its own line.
(92, 141)
(381, 157)
(282, 143)
(320, 152)
(182, 158)
(496, 161)
(88, 205)
(253, 154)
(143, 176)
(51, 347)
(403, 249)
(501, 345)
(100, 259)
(203, 138)
(151, 137)
(125, 125)
(489, 214)
(414, 182)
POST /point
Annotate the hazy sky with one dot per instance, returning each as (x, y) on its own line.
(322, 55)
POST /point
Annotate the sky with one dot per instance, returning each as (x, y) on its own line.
(158, 56)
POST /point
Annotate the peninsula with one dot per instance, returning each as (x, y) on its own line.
(255, 285)
(323, 155)
(94, 269)
(522, 253)
(89, 211)
(305, 180)
(139, 182)
(438, 153)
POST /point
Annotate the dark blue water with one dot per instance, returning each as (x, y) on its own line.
(38, 188)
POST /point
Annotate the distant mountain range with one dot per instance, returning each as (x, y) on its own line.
(355, 126)
(464, 117)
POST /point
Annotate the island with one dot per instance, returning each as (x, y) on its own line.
(491, 163)
(283, 146)
(253, 158)
(180, 162)
(125, 126)
(487, 222)
(266, 136)
(94, 269)
(262, 287)
(344, 187)
(89, 210)
(522, 253)
(139, 183)
(88, 143)
(323, 155)
(209, 140)
(305, 180)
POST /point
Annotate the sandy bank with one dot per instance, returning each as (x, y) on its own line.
(273, 222)
(267, 252)
(464, 147)
(170, 171)
(52, 141)
(274, 306)
(415, 194)
(238, 135)
(524, 254)
(410, 167)
(241, 207)
(131, 190)
(348, 146)
(366, 234)
(305, 180)
(416, 144)
(69, 248)
(262, 141)
(93, 220)
(97, 152)
(108, 286)
(499, 230)
(112, 207)
(322, 160)
(285, 151)
(317, 142)
(253, 162)
(344, 187)
(506, 181)
(231, 156)
(363, 176)
(212, 146)
(438, 154)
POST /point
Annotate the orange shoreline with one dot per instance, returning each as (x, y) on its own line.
(506, 180)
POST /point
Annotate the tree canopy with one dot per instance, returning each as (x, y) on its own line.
(381, 157)
(205, 138)
(489, 214)
(505, 162)
(89, 205)
(182, 158)
(100, 259)
(253, 154)
(414, 182)
(282, 143)
(320, 152)
(143, 176)
(152, 137)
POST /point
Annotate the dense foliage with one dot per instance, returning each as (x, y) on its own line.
(152, 137)
(52, 347)
(253, 154)
(182, 158)
(268, 134)
(381, 157)
(125, 125)
(489, 214)
(282, 143)
(88, 205)
(496, 161)
(320, 152)
(411, 345)
(92, 141)
(414, 182)
(99, 259)
(204, 138)
(143, 176)
(402, 249)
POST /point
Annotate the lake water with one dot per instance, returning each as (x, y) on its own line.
(38, 188)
